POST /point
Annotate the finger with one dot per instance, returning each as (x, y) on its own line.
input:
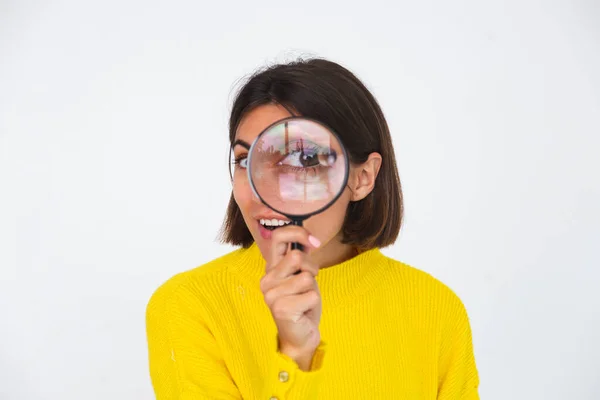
(294, 261)
(281, 238)
(296, 284)
(292, 308)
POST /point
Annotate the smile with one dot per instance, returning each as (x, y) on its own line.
(272, 224)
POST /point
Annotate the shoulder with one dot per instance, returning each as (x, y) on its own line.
(195, 285)
(421, 286)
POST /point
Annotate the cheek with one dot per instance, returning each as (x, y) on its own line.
(329, 223)
(242, 193)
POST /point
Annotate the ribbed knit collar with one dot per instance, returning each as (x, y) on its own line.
(338, 283)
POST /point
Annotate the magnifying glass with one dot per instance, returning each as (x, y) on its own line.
(297, 167)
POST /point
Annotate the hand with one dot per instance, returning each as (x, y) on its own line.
(294, 299)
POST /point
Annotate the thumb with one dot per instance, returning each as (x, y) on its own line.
(278, 252)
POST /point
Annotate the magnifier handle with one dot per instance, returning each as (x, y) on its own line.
(297, 246)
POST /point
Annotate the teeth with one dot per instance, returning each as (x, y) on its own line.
(273, 222)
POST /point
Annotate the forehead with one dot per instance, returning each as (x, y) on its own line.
(254, 122)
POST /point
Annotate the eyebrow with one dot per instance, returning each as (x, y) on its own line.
(241, 143)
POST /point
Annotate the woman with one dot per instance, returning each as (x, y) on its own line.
(353, 324)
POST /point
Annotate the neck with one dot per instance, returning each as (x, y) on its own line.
(332, 253)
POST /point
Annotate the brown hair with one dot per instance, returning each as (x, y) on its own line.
(328, 92)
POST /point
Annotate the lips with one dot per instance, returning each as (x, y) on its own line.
(268, 223)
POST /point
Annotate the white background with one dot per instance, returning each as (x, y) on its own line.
(113, 171)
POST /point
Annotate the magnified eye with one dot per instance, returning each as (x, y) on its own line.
(300, 159)
(297, 167)
(308, 158)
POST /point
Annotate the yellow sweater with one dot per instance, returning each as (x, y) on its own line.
(389, 331)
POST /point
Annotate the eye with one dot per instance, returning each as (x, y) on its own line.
(307, 158)
(241, 161)
(300, 159)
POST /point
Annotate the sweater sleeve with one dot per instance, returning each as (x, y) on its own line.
(287, 381)
(458, 376)
(186, 362)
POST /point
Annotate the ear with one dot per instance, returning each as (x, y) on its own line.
(362, 179)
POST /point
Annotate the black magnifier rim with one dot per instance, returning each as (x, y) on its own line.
(300, 217)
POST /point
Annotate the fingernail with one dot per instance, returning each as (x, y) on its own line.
(314, 241)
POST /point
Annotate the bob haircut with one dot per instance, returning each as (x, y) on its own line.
(327, 92)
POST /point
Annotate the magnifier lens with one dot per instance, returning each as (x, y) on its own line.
(297, 167)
